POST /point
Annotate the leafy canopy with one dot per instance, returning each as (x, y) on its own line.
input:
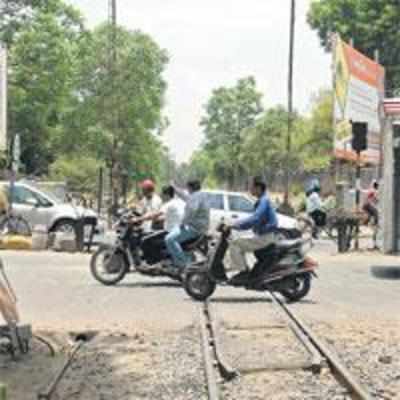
(372, 24)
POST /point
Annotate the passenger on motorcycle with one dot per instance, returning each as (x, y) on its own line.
(170, 213)
(263, 223)
(168, 218)
(196, 221)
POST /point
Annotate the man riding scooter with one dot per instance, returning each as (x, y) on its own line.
(263, 225)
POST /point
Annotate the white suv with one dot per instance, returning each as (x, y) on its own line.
(40, 207)
(230, 206)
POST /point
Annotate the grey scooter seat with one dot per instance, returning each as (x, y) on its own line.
(289, 244)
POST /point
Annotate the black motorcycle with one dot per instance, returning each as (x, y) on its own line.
(282, 267)
(139, 251)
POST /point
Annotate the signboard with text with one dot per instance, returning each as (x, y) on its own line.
(359, 86)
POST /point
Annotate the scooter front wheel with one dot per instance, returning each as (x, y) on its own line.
(299, 287)
(198, 285)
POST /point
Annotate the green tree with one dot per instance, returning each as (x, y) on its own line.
(264, 148)
(317, 140)
(42, 61)
(200, 166)
(372, 24)
(116, 114)
(229, 111)
(80, 173)
(16, 14)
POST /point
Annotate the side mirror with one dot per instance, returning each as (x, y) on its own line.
(32, 202)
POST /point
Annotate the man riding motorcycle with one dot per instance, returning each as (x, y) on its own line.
(150, 203)
(263, 223)
(196, 221)
(170, 215)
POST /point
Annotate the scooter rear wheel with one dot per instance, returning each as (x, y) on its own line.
(198, 285)
(299, 289)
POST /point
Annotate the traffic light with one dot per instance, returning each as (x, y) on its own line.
(359, 139)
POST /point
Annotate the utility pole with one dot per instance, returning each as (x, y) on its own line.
(113, 112)
(290, 99)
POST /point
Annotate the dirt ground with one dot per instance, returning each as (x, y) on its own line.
(369, 350)
(113, 365)
(143, 366)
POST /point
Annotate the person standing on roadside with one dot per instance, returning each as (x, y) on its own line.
(370, 206)
(315, 210)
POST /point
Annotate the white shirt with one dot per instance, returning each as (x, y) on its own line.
(313, 203)
(149, 206)
(173, 211)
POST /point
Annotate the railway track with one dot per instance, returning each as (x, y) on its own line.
(217, 370)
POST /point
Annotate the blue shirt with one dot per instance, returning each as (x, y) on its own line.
(263, 221)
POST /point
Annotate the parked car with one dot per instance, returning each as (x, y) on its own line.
(231, 206)
(43, 208)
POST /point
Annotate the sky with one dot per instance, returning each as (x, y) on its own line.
(213, 43)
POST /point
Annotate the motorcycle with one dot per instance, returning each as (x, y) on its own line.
(138, 251)
(282, 267)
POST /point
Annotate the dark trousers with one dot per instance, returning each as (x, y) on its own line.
(372, 213)
(153, 247)
(319, 217)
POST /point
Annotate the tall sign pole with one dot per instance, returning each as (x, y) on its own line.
(290, 98)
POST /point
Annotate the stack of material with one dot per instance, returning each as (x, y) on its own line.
(16, 242)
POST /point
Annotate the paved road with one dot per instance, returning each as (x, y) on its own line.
(56, 291)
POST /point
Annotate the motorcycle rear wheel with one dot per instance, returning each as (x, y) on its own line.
(108, 266)
(198, 285)
(300, 289)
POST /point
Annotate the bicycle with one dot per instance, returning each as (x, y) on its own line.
(12, 224)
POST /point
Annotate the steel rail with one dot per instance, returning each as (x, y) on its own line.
(316, 358)
(338, 369)
(226, 371)
(206, 341)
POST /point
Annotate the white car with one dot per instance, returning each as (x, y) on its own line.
(42, 208)
(231, 206)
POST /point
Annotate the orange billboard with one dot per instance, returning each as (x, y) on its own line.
(359, 91)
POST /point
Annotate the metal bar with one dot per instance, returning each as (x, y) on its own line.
(276, 367)
(48, 393)
(316, 359)
(212, 387)
(343, 375)
(100, 191)
(255, 327)
(358, 199)
(226, 371)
